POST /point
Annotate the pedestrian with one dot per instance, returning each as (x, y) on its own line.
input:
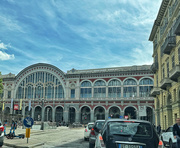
(159, 129)
(176, 132)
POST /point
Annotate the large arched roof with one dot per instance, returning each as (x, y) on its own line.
(39, 65)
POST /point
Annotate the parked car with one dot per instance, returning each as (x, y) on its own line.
(1, 134)
(94, 132)
(122, 133)
(168, 138)
(88, 130)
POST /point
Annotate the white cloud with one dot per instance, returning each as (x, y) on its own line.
(5, 56)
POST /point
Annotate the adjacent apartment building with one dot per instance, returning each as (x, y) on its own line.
(165, 36)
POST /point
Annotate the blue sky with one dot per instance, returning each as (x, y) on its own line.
(80, 34)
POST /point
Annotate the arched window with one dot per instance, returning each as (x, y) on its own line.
(49, 92)
(145, 87)
(20, 93)
(86, 90)
(46, 86)
(114, 89)
(39, 91)
(129, 89)
(99, 89)
(29, 92)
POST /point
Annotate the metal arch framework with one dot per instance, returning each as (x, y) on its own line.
(40, 67)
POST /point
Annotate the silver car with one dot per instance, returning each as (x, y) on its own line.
(1, 134)
(94, 132)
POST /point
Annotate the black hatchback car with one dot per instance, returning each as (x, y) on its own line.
(122, 133)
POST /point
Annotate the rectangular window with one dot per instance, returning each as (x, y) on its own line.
(157, 80)
(174, 94)
(72, 93)
(167, 65)
(173, 64)
(163, 73)
(9, 94)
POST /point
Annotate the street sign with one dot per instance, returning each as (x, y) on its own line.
(142, 111)
(109, 117)
(28, 122)
(121, 117)
(16, 107)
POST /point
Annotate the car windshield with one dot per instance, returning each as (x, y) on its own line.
(99, 125)
(135, 129)
(90, 126)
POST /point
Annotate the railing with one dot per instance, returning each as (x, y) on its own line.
(168, 44)
(176, 26)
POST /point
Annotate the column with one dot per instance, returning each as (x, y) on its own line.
(53, 114)
(77, 116)
(137, 90)
(106, 115)
(106, 91)
(92, 116)
(42, 113)
(122, 113)
(66, 113)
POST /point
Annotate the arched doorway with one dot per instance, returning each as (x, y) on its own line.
(130, 112)
(149, 115)
(59, 114)
(48, 114)
(37, 113)
(99, 113)
(27, 112)
(85, 115)
(114, 112)
(72, 114)
(7, 111)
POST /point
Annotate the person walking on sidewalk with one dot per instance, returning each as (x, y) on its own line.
(176, 132)
(159, 129)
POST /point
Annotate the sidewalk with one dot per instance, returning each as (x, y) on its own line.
(37, 137)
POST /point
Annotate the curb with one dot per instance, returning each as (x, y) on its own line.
(21, 146)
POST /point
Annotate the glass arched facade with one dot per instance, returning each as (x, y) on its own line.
(130, 88)
(40, 85)
(145, 87)
(100, 89)
(114, 89)
(86, 90)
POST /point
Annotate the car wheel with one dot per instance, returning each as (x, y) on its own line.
(91, 145)
(170, 144)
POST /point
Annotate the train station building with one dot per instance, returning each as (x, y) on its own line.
(46, 93)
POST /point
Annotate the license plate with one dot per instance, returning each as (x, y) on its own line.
(129, 146)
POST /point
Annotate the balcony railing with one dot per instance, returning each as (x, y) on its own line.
(154, 67)
(174, 74)
(176, 26)
(155, 91)
(165, 83)
(169, 44)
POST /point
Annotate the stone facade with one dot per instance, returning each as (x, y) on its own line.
(79, 95)
(166, 53)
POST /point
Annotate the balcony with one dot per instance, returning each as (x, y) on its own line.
(176, 26)
(155, 91)
(169, 44)
(165, 83)
(175, 73)
(154, 67)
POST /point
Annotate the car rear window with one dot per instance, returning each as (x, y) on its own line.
(90, 126)
(135, 129)
(99, 124)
